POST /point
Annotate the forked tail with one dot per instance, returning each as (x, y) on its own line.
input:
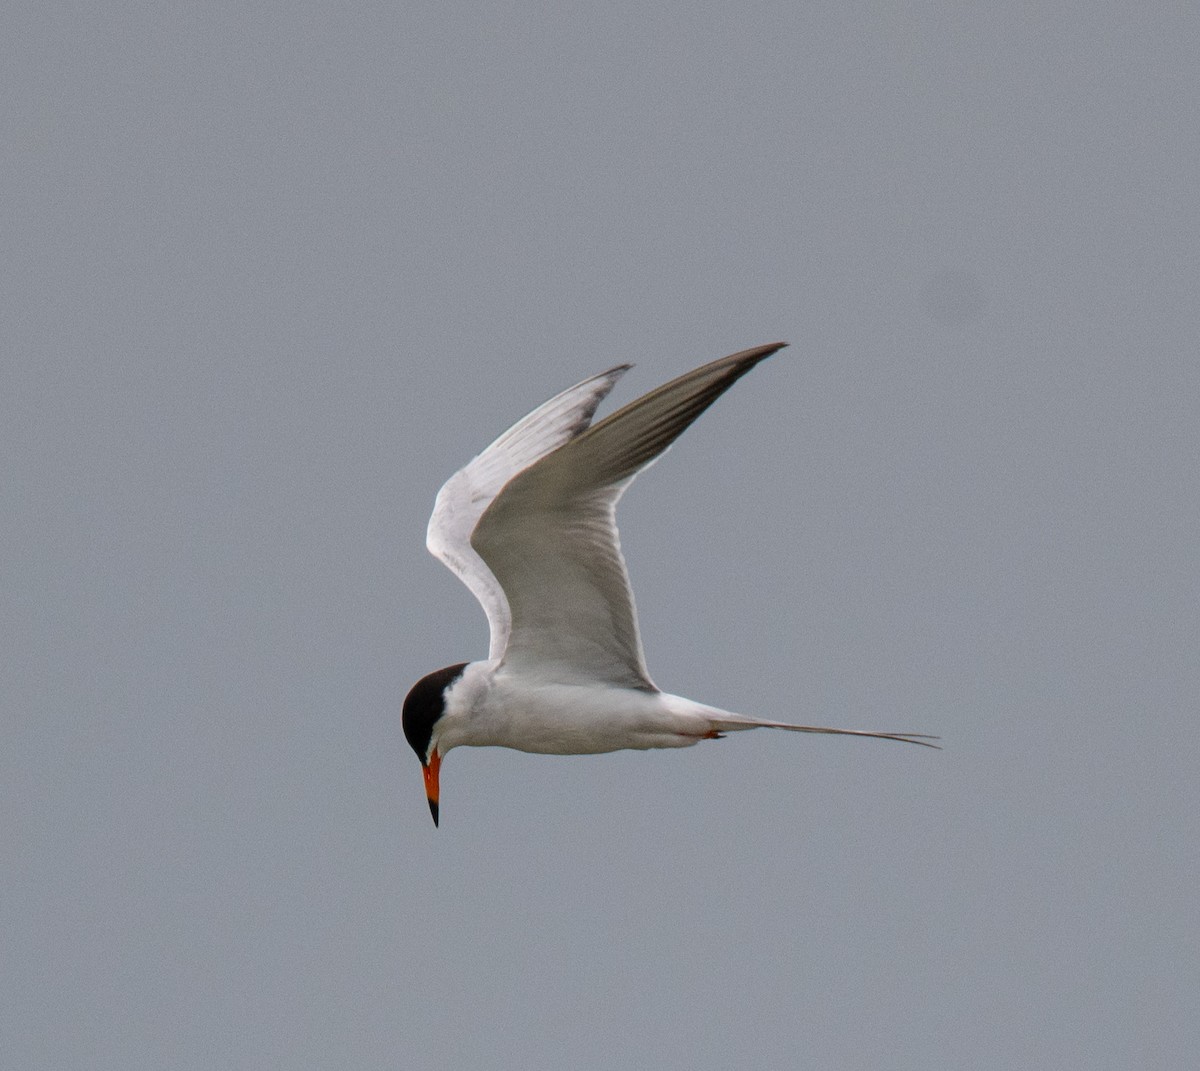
(731, 723)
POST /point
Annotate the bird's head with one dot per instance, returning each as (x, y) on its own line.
(424, 707)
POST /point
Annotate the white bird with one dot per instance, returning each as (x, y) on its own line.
(530, 527)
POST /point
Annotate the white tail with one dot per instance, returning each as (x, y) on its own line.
(724, 722)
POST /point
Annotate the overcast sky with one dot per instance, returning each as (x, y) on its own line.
(271, 272)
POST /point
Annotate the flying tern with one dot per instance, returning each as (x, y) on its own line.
(529, 525)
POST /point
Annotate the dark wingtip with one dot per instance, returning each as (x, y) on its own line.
(760, 353)
(433, 810)
(741, 363)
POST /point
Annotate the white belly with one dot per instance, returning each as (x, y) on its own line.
(560, 719)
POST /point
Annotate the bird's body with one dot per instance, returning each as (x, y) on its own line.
(530, 527)
(488, 706)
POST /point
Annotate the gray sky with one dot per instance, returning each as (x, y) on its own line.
(272, 272)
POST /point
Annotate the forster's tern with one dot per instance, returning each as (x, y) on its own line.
(530, 527)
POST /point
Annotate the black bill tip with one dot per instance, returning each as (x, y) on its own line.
(433, 810)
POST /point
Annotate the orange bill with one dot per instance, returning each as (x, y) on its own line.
(431, 770)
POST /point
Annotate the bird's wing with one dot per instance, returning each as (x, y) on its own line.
(468, 493)
(550, 536)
